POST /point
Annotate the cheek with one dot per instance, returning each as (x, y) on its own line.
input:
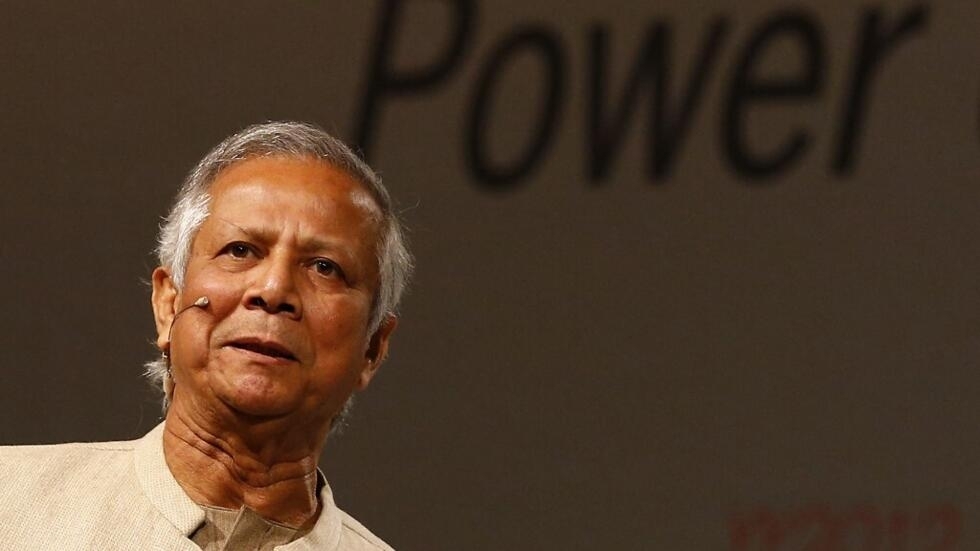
(339, 325)
(223, 293)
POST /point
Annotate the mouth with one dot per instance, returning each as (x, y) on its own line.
(265, 348)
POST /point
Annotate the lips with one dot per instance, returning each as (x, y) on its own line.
(271, 349)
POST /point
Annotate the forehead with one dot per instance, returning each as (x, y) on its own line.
(307, 196)
(293, 176)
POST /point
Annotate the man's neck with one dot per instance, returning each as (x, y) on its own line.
(220, 468)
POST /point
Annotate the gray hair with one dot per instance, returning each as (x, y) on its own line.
(292, 139)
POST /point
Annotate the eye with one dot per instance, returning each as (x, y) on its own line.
(326, 267)
(237, 250)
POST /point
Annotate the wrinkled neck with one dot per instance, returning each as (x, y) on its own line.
(234, 467)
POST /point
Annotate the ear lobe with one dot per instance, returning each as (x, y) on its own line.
(377, 350)
(163, 300)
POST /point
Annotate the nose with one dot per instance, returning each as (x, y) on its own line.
(274, 289)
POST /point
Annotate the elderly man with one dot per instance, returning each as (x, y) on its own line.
(281, 266)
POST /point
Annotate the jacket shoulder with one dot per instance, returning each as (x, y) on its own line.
(356, 537)
(31, 472)
(29, 458)
(66, 449)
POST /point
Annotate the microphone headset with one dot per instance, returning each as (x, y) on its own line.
(201, 302)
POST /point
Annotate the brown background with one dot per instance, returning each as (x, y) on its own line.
(641, 364)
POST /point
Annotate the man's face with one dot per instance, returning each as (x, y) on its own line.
(287, 259)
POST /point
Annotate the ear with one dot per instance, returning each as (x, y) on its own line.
(377, 350)
(164, 301)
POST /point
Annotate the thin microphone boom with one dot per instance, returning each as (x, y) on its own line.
(201, 302)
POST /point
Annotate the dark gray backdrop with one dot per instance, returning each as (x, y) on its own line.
(700, 357)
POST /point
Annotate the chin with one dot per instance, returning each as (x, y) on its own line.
(260, 398)
(254, 408)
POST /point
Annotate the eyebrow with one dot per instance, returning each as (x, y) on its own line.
(313, 244)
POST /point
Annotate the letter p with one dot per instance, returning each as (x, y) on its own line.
(386, 81)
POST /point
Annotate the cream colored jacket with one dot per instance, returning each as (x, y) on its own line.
(121, 495)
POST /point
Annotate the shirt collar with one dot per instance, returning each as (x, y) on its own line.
(161, 487)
